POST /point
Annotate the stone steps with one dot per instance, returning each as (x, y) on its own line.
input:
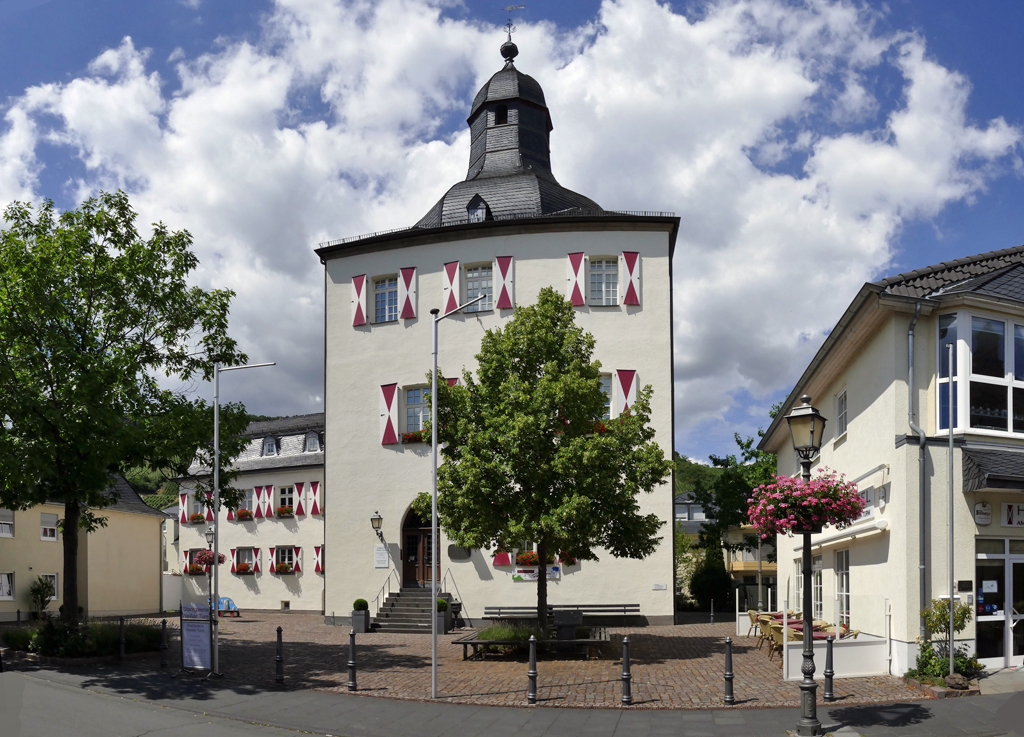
(406, 611)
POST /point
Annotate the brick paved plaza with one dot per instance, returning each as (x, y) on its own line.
(673, 667)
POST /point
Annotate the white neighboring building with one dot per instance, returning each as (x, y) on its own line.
(273, 560)
(507, 231)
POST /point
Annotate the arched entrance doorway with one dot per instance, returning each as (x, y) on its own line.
(416, 552)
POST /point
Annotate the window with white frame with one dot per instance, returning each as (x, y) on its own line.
(6, 523)
(480, 280)
(247, 502)
(312, 442)
(53, 579)
(269, 446)
(48, 527)
(817, 590)
(696, 512)
(841, 413)
(604, 281)
(417, 408)
(606, 387)
(197, 505)
(286, 496)
(244, 555)
(285, 556)
(385, 299)
(843, 585)
(6, 586)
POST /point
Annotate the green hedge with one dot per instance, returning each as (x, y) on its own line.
(91, 640)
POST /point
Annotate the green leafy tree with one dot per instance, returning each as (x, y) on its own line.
(91, 316)
(527, 456)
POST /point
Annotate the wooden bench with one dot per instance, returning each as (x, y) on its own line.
(598, 637)
(529, 612)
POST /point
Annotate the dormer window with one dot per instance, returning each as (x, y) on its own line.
(312, 443)
(501, 115)
(478, 210)
(269, 447)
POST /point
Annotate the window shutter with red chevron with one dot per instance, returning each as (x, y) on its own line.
(314, 492)
(209, 508)
(182, 508)
(318, 561)
(452, 286)
(268, 501)
(626, 389)
(256, 560)
(273, 561)
(297, 567)
(299, 485)
(504, 283)
(233, 560)
(630, 278)
(359, 300)
(407, 292)
(388, 414)
(577, 279)
(257, 493)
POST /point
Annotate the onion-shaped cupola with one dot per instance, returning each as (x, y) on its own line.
(509, 157)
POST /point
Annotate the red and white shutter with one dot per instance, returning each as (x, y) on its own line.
(452, 382)
(630, 270)
(209, 506)
(256, 560)
(298, 559)
(299, 486)
(626, 389)
(502, 559)
(407, 292)
(577, 278)
(231, 513)
(233, 560)
(359, 300)
(318, 561)
(504, 283)
(273, 562)
(452, 286)
(185, 556)
(257, 493)
(268, 506)
(182, 508)
(389, 413)
(314, 492)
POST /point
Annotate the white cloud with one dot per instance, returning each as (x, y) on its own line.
(755, 122)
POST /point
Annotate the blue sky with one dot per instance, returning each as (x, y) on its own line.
(846, 140)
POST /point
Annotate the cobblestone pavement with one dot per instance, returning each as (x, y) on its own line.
(673, 667)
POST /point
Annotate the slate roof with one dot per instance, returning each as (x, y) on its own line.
(991, 468)
(290, 432)
(282, 425)
(130, 501)
(939, 278)
(508, 84)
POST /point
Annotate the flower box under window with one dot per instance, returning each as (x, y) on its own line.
(284, 569)
(196, 518)
(285, 511)
(416, 436)
(244, 569)
(194, 569)
(530, 558)
(243, 514)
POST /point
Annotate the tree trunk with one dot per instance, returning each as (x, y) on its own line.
(72, 514)
(542, 587)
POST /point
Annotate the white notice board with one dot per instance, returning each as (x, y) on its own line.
(380, 556)
(195, 644)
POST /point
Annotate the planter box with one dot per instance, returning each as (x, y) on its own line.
(361, 621)
(285, 516)
(285, 573)
(443, 622)
(245, 573)
(943, 692)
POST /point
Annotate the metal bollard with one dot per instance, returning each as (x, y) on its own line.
(120, 642)
(279, 677)
(351, 660)
(627, 676)
(531, 693)
(163, 643)
(712, 611)
(828, 672)
(729, 698)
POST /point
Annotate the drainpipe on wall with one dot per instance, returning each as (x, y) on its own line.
(921, 477)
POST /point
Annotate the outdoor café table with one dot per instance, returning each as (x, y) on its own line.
(799, 627)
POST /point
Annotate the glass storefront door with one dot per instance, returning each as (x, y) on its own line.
(990, 575)
(1016, 612)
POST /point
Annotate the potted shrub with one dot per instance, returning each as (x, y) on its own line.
(40, 592)
(283, 568)
(244, 569)
(285, 511)
(243, 514)
(196, 518)
(444, 617)
(360, 616)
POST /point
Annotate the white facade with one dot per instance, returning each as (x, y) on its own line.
(287, 473)
(368, 364)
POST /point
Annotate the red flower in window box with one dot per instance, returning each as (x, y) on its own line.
(565, 559)
(244, 569)
(196, 518)
(194, 569)
(243, 514)
(283, 568)
(416, 436)
(527, 558)
(285, 511)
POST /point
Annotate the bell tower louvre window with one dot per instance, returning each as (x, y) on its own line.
(501, 115)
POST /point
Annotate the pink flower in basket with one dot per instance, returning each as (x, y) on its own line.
(205, 557)
(790, 505)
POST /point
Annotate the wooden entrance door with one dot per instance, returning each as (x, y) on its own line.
(416, 557)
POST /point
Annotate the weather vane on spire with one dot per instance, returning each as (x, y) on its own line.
(510, 27)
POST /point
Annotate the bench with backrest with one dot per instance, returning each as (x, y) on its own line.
(530, 612)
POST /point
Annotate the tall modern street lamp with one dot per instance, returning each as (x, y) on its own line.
(436, 318)
(806, 427)
(217, 369)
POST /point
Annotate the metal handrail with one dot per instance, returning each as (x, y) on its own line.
(459, 593)
(377, 600)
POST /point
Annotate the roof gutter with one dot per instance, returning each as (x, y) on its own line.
(922, 478)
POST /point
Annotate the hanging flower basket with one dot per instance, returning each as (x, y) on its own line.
(789, 505)
(416, 436)
(243, 514)
(196, 518)
(285, 511)
(205, 557)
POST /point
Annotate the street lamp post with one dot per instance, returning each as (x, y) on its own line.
(436, 317)
(806, 427)
(210, 570)
(217, 369)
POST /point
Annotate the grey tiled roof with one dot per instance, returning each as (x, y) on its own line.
(296, 423)
(929, 280)
(508, 84)
(290, 435)
(130, 501)
(993, 468)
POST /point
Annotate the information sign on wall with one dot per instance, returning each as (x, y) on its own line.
(533, 574)
(1012, 515)
(380, 556)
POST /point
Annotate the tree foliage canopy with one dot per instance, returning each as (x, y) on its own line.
(92, 316)
(527, 456)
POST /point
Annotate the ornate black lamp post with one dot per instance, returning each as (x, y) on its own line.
(209, 572)
(806, 427)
